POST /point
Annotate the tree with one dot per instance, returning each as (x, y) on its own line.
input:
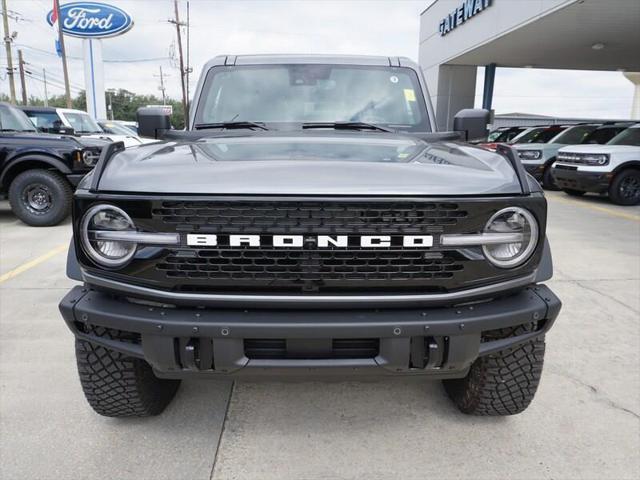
(124, 103)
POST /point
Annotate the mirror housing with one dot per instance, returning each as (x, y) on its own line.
(153, 122)
(473, 122)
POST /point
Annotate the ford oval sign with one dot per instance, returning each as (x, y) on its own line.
(92, 20)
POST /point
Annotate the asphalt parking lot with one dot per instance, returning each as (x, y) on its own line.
(584, 422)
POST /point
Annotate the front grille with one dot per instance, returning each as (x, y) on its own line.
(310, 267)
(337, 348)
(311, 217)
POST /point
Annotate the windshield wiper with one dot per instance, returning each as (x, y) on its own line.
(231, 125)
(348, 126)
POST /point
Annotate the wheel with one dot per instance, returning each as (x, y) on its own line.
(116, 385)
(40, 198)
(625, 188)
(573, 193)
(502, 383)
(548, 182)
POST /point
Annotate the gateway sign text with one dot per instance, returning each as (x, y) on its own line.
(468, 9)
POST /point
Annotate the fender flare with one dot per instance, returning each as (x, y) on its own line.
(632, 164)
(545, 267)
(38, 157)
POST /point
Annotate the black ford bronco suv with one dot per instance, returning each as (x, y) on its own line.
(310, 222)
(38, 171)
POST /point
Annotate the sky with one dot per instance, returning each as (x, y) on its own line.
(375, 27)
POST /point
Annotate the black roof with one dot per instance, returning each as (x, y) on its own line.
(37, 109)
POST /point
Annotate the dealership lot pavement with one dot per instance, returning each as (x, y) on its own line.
(584, 423)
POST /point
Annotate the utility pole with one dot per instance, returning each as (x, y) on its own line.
(162, 87)
(185, 100)
(7, 46)
(23, 83)
(63, 54)
(46, 95)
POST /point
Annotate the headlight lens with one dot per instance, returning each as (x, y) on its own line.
(512, 220)
(595, 159)
(591, 159)
(530, 154)
(108, 253)
(90, 157)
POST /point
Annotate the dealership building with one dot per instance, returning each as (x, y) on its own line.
(458, 36)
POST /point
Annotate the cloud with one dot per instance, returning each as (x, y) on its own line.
(236, 27)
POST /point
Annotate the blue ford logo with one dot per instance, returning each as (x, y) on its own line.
(92, 20)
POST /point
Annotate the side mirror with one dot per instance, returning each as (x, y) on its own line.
(153, 122)
(474, 122)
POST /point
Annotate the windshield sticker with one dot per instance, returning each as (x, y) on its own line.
(393, 79)
(409, 95)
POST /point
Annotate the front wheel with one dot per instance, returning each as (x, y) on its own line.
(40, 198)
(625, 188)
(116, 385)
(502, 383)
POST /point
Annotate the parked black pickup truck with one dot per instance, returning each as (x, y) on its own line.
(310, 222)
(39, 171)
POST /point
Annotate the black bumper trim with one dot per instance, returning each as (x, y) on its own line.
(584, 181)
(278, 301)
(161, 329)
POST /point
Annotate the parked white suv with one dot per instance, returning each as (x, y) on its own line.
(613, 168)
(50, 119)
(537, 158)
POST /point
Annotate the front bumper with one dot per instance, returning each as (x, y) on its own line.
(571, 177)
(180, 342)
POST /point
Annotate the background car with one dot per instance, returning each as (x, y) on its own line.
(612, 169)
(114, 128)
(50, 119)
(39, 171)
(537, 157)
(501, 135)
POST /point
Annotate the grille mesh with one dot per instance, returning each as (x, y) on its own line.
(300, 265)
(311, 217)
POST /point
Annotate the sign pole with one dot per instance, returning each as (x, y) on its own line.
(94, 78)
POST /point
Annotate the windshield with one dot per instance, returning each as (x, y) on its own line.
(45, 120)
(12, 119)
(540, 135)
(388, 96)
(82, 122)
(493, 136)
(116, 129)
(631, 136)
(600, 136)
(573, 135)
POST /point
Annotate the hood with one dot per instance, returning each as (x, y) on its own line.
(599, 149)
(129, 141)
(545, 147)
(91, 141)
(310, 163)
(47, 139)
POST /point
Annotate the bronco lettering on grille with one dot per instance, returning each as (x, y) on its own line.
(319, 241)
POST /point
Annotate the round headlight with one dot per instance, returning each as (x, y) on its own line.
(512, 220)
(109, 253)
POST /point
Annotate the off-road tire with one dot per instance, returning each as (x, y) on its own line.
(615, 191)
(116, 385)
(502, 383)
(573, 193)
(548, 182)
(58, 189)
